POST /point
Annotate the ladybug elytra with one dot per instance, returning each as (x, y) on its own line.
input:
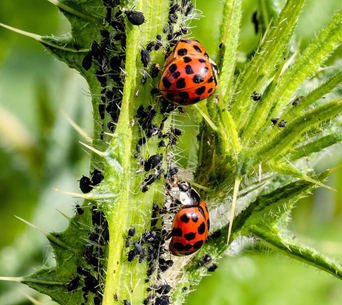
(189, 75)
(190, 226)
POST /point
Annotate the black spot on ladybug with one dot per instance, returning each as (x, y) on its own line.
(190, 236)
(188, 70)
(134, 17)
(198, 244)
(198, 79)
(201, 228)
(197, 49)
(180, 84)
(177, 232)
(210, 90)
(170, 96)
(182, 52)
(187, 247)
(184, 218)
(173, 68)
(186, 41)
(210, 80)
(200, 90)
(166, 83)
(183, 95)
(206, 55)
(195, 100)
(187, 59)
(202, 61)
(178, 246)
(176, 74)
(194, 217)
(208, 224)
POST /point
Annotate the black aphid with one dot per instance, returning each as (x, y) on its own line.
(189, 9)
(85, 184)
(145, 57)
(73, 285)
(132, 232)
(134, 17)
(79, 210)
(154, 71)
(212, 268)
(87, 61)
(144, 78)
(153, 161)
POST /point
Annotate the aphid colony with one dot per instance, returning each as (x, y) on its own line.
(188, 77)
(90, 278)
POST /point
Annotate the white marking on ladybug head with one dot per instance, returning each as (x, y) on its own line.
(185, 199)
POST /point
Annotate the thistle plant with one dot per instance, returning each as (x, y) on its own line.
(248, 152)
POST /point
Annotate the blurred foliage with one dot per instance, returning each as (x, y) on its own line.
(33, 88)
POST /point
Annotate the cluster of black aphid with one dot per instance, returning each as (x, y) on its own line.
(108, 56)
(87, 184)
(172, 37)
(89, 276)
(145, 117)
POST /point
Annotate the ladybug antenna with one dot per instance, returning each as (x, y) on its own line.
(232, 211)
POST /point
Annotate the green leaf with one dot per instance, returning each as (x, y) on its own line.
(284, 138)
(227, 55)
(307, 64)
(268, 12)
(284, 243)
(264, 62)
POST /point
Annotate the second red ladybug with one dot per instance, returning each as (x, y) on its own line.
(189, 76)
(190, 226)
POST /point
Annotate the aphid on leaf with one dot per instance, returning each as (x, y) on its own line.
(134, 17)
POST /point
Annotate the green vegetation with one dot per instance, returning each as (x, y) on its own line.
(242, 161)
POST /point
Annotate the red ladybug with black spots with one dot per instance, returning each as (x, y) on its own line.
(190, 226)
(189, 75)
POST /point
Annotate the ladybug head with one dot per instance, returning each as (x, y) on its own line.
(189, 197)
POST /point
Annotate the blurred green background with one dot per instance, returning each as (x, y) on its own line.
(39, 150)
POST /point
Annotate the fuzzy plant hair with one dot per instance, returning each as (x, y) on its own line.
(249, 146)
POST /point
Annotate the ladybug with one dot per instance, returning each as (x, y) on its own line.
(189, 75)
(190, 226)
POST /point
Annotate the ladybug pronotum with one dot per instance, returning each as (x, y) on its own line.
(190, 226)
(189, 75)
